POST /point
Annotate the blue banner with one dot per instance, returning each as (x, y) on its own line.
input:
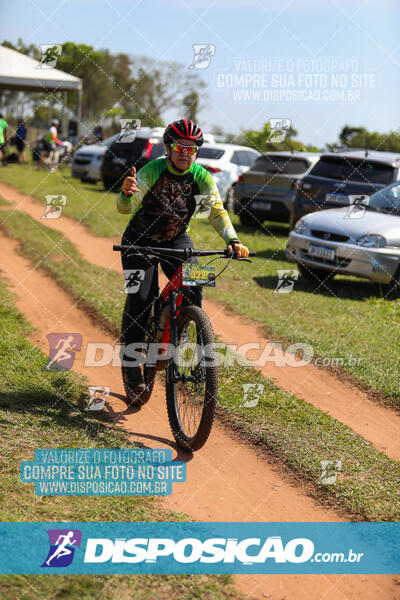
(243, 548)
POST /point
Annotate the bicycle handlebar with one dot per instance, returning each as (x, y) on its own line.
(185, 252)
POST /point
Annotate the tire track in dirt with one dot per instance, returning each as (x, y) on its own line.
(378, 424)
(226, 481)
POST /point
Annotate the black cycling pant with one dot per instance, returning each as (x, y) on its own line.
(143, 283)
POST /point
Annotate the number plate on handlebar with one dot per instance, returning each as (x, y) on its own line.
(198, 274)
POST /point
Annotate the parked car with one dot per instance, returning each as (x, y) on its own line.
(86, 161)
(226, 162)
(266, 190)
(360, 239)
(132, 148)
(335, 177)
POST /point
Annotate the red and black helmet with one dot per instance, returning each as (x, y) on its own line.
(183, 129)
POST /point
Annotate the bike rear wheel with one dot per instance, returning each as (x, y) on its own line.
(191, 401)
(149, 372)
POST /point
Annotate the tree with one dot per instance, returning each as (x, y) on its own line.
(30, 50)
(261, 140)
(160, 85)
(190, 104)
(360, 137)
(142, 87)
(104, 77)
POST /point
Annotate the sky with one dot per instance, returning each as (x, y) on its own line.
(320, 63)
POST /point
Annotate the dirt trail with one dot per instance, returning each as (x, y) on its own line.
(226, 481)
(378, 424)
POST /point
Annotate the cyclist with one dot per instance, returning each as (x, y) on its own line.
(52, 144)
(162, 198)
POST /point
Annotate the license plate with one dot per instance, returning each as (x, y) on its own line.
(321, 251)
(257, 205)
(337, 199)
(198, 275)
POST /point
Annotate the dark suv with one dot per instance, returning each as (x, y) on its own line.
(336, 176)
(265, 191)
(133, 148)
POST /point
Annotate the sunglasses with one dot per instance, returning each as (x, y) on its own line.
(188, 149)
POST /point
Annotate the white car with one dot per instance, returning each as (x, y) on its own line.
(87, 160)
(226, 162)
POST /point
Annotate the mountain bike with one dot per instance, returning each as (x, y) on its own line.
(179, 339)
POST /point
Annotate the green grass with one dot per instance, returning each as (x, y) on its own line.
(117, 587)
(347, 317)
(87, 202)
(295, 432)
(42, 410)
(94, 288)
(302, 436)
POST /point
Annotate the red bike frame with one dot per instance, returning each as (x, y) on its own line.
(175, 283)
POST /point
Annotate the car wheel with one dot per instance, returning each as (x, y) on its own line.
(246, 216)
(392, 289)
(231, 199)
(248, 220)
(293, 218)
(313, 274)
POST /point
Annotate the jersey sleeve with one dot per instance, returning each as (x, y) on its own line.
(53, 132)
(218, 217)
(146, 178)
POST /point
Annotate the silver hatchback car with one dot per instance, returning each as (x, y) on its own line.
(361, 239)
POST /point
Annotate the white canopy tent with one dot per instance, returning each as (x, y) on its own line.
(23, 73)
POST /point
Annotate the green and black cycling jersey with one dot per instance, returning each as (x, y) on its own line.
(167, 200)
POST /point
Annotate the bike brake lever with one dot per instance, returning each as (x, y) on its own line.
(234, 257)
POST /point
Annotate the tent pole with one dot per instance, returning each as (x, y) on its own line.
(65, 115)
(50, 107)
(79, 113)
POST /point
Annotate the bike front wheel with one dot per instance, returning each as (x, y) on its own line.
(192, 380)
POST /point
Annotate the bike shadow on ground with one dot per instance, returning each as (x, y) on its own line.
(119, 417)
(349, 289)
(51, 410)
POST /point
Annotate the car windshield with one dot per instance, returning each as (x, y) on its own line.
(280, 164)
(350, 169)
(213, 153)
(127, 148)
(109, 140)
(386, 200)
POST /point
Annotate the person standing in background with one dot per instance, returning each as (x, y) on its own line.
(53, 144)
(21, 140)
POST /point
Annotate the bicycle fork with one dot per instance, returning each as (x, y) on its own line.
(173, 334)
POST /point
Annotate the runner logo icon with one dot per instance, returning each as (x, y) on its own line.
(62, 542)
(62, 350)
(202, 55)
(133, 279)
(286, 280)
